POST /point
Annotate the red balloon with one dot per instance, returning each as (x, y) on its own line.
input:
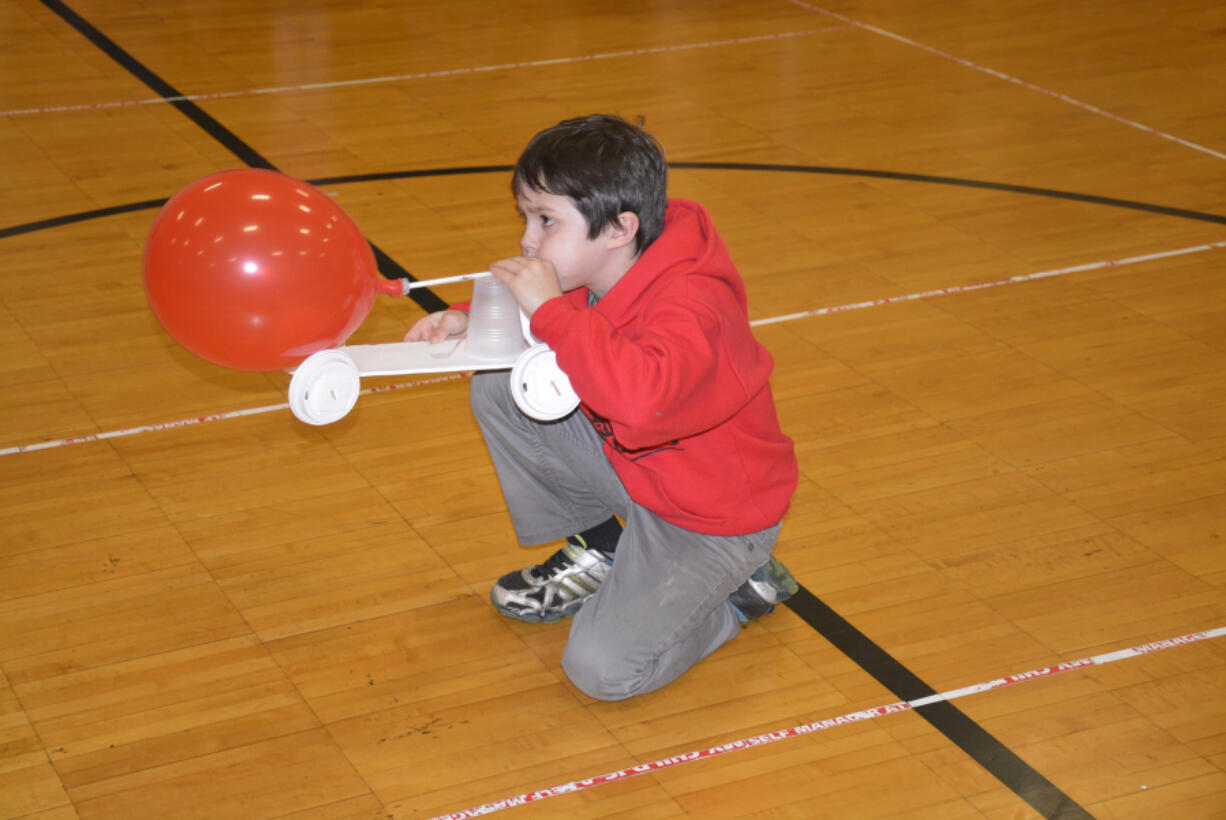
(255, 270)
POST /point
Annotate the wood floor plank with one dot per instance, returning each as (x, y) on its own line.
(29, 784)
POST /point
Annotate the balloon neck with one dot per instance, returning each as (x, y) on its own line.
(393, 287)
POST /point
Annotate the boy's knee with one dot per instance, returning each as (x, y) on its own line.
(599, 676)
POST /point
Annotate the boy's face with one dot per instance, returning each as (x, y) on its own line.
(555, 231)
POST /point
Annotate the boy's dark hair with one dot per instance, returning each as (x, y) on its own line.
(605, 166)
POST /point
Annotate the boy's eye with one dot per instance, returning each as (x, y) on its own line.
(546, 220)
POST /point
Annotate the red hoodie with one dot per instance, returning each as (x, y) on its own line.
(672, 377)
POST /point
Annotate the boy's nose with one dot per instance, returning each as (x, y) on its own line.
(527, 244)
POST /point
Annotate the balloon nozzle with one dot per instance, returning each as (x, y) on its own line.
(394, 287)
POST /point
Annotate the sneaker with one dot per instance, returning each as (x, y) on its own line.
(770, 584)
(555, 589)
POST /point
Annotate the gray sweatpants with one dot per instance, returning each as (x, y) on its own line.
(664, 604)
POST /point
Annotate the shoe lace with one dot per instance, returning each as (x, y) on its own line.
(554, 565)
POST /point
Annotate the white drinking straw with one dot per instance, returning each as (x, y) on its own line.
(446, 280)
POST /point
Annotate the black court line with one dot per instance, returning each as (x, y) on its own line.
(428, 300)
(80, 216)
(1018, 775)
(1004, 187)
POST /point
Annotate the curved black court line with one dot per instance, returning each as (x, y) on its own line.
(391, 269)
(901, 176)
(989, 752)
(1007, 187)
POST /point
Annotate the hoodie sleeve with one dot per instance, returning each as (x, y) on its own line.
(689, 365)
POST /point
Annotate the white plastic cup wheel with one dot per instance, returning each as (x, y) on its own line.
(541, 389)
(324, 388)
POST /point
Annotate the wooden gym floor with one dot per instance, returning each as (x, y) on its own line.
(212, 613)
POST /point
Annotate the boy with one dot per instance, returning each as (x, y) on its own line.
(677, 434)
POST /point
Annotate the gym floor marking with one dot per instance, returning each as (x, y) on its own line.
(830, 723)
(889, 300)
(1008, 78)
(425, 75)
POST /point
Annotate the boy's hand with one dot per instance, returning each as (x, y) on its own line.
(438, 326)
(532, 280)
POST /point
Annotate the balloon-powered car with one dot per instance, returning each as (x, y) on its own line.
(252, 269)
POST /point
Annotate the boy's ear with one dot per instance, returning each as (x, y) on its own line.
(623, 231)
